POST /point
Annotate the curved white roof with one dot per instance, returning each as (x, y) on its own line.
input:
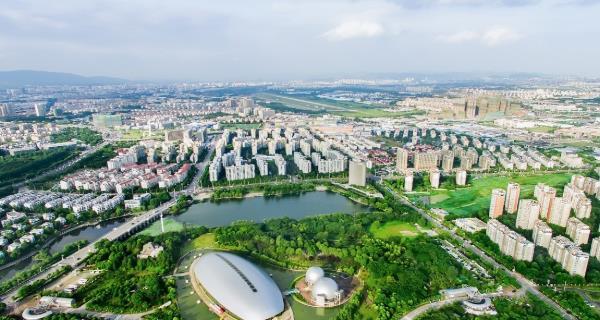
(313, 274)
(239, 286)
(324, 287)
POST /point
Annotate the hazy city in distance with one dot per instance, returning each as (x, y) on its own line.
(328, 160)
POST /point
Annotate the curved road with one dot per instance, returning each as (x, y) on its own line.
(525, 283)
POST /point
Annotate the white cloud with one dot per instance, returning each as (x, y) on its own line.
(492, 37)
(354, 29)
(499, 35)
(459, 37)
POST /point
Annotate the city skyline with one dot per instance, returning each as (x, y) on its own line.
(288, 40)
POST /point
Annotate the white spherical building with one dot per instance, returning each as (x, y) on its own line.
(313, 274)
(325, 289)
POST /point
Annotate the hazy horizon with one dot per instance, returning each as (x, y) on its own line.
(283, 40)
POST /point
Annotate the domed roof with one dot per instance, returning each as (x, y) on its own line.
(326, 287)
(239, 286)
(313, 274)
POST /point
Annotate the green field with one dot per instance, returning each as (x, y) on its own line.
(542, 129)
(139, 134)
(155, 228)
(475, 198)
(205, 241)
(300, 104)
(341, 108)
(394, 229)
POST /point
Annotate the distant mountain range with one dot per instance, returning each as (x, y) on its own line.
(21, 78)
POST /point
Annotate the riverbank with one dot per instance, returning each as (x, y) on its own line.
(203, 196)
(57, 238)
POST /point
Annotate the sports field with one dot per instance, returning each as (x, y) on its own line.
(476, 197)
(394, 229)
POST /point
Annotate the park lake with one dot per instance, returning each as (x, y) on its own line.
(259, 209)
(214, 214)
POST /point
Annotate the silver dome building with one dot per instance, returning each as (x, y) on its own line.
(313, 274)
(238, 286)
(325, 291)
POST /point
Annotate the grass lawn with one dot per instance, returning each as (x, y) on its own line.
(341, 108)
(206, 240)
(476, 197)
(542, 129)
(393, 229)
(155, 228)
(139, 134)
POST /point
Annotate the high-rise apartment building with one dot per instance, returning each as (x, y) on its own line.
(408, 181)
(448, 162)
(542, 234)
(561, 210)
(528, 213)
(595, 249)
(461, 177)
(5, 111)
(497, 203)
(578, 231)
(425, 160)
(513, 192)
(401, 160)
(40, 109)
(434, 178)
(569, 255)
(510, 242)
(357, 173)
(545, 196)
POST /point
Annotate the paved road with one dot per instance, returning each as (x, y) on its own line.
(125, 229)
(525, 283)
(76, 258)
(108, 139)
(438, 304)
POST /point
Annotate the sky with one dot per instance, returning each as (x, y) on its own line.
(298, 39)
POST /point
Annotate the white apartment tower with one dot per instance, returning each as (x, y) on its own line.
(528, 213)
(461, 177)
(510, 242)
(595, 250)
(561, 209)
(542, 234)
(402, 160)
(578, 231)
(357, 173)
(569, 255)
(434, 178)
(408, 181)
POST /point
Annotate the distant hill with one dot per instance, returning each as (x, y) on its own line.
(21, 78)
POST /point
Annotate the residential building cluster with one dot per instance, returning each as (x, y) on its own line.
(535, 214)
(510, 242)
(241, 153)
(29, 137)
(569, 255)
(124, 173)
